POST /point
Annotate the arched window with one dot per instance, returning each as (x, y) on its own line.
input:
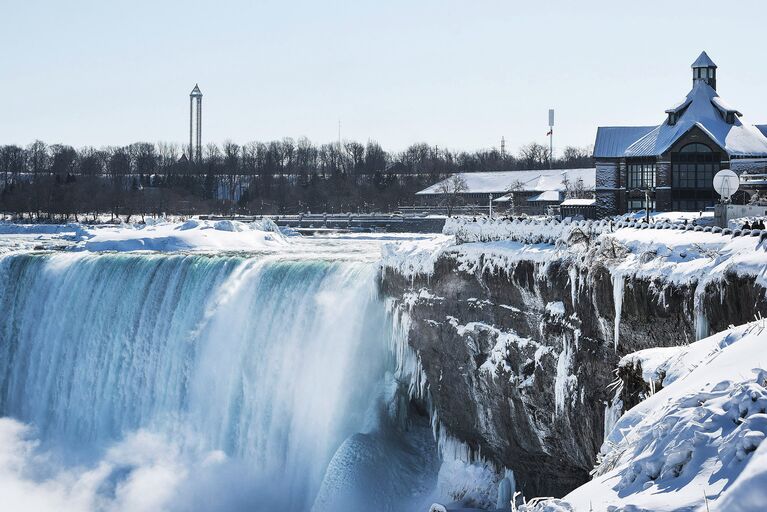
(692, 173)
(695, 147)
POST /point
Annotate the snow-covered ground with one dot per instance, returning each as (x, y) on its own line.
(203, 236)
(697, 440)
(677, 255)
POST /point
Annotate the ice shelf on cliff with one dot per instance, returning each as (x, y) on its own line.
(671, 252)
(464, 475)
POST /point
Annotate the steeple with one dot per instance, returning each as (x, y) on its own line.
(196, 92)
(704, 69)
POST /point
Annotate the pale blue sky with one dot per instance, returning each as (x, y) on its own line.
(457, 74)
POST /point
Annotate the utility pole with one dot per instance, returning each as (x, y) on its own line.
(503, 147)
(551, 137)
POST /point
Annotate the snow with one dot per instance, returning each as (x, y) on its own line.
(698, 435)
(192, 235)
(687, 256)
(547, 196)
(556, 308)
(578, 202)
(737, 139)
(497, 182)
(417, 256)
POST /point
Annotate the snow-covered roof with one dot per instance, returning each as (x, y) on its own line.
(578, 202)
(723, 106)
(500, 182)
(612, 141)
(704, 111)
(550, 196)
(703, 61)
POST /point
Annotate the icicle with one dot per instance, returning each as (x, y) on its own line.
(618, 286)
(573, 271)
(564, 380)
(701, 322)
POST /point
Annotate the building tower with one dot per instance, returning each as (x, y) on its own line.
(704, 69)
(195, 144)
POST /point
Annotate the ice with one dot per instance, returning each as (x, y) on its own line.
(565, 382)
(618, 287)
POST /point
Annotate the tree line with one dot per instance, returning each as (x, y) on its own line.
(44, 181)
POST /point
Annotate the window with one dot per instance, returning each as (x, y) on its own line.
(640, 174)
(695, 147)
(692, 176)
(639, 204)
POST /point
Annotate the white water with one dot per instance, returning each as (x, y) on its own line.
(148, 382)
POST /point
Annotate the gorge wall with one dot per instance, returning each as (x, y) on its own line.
(520, 358)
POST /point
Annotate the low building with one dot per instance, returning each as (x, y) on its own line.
(529, 192)
(670, 167)
(573, 208)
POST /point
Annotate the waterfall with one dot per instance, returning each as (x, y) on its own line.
(270, 362)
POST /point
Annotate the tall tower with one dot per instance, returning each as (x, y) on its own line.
(704, 69)
(195, 144)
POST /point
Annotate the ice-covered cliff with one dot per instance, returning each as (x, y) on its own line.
(520, 341)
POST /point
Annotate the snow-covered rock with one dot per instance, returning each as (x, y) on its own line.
(696, 437)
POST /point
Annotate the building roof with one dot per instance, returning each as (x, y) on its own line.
(704, 110)
(578, 202)
(703, 61)
(612, 141)
(550, 196)
(500, 182)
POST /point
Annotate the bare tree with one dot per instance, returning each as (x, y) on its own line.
(515, 186)
(451, 190)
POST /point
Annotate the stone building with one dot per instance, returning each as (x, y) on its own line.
(670, 167)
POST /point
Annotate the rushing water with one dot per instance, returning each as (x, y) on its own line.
(193, 382)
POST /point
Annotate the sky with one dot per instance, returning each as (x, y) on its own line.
(455, 74)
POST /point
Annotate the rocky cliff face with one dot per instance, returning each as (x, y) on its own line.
(519, 359)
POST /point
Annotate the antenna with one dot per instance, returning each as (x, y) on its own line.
(339, 134)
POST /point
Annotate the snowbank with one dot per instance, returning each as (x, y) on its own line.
(697, 436)
(417, 256)
(529, 231)
(678, 253)
(192, 235)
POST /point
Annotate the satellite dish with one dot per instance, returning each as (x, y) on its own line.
(726, 183)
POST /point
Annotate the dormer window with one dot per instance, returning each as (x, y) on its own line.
(672, 118)
(730, 118)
